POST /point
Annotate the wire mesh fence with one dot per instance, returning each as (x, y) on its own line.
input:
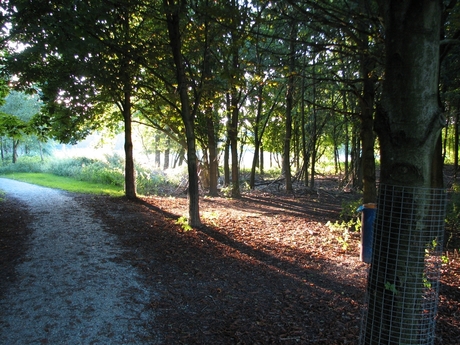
(403, 283)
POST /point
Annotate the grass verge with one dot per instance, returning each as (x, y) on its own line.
(65, 183)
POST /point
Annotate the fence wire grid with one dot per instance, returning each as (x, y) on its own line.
(403, 282)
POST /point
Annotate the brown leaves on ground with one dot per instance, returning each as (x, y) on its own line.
(264, 269)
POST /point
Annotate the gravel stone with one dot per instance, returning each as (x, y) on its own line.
(72, 286)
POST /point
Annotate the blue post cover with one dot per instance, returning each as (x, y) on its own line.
(367, 230)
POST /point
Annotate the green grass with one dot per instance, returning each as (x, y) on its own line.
(65, 183)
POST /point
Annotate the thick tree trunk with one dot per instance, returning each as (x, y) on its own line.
(367, 116)
(367, 138)
(408, 123)
(173, 21)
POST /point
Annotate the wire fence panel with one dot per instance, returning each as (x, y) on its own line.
(403, 283)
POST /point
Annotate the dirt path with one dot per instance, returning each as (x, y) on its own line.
(71, 286)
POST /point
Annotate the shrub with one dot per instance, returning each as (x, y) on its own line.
(149, 182)
(24, 164)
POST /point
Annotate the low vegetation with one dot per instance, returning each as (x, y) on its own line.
(89, 175)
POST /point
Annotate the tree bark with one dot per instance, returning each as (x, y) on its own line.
(173, 9)
(456, 140)
(213, 163)
(408, 123)
(289, 107)
(366, 104)
(15, 150)
(257, 139)
(167, 153)
(233, 135)
(130, 178)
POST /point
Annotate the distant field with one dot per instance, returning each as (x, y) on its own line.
(65, 183)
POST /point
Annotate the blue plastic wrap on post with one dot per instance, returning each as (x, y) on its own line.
(367, 230)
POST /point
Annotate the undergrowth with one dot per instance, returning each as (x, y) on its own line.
(350, 221)
(108, 170)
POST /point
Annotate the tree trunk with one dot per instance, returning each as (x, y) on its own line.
(1, 149)
(213, 164)
(456, 140)
(408, 123)
(305, 153)
(172, 18)
(257, 139)
(130, 178)
(233, 135)
(261, 160)
(289, 106)
(226, 162)
(15, 150)
(367, 116)
(157, 152)
(167, 154)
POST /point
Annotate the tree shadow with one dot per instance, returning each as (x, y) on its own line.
(213, 289)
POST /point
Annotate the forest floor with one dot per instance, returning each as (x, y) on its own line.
(263, 269)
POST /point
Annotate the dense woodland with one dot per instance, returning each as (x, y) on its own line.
(298, 78)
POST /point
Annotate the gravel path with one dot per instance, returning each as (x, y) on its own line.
(72, 286)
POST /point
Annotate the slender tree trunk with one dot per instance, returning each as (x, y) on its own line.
(261, 160)
(157, 151)
(305, 153)
(15, 150)
(40, 146)
(289, 107)
(167, 154)
(1, 149)
(456, 140)
(233, 133)
(213, 163)
(408, 123)
(173, 9)
(347, 151)
(226, 163)
(255, 160)
(130, 178)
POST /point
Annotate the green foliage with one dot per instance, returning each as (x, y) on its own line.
(272, 173)
(349, 209)
(350, 221)
(444, 259)
(183, 222)
(342, 228)
(391, 287)
(149, 182)
(107, 171)
(426, 282)
(25, 164)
